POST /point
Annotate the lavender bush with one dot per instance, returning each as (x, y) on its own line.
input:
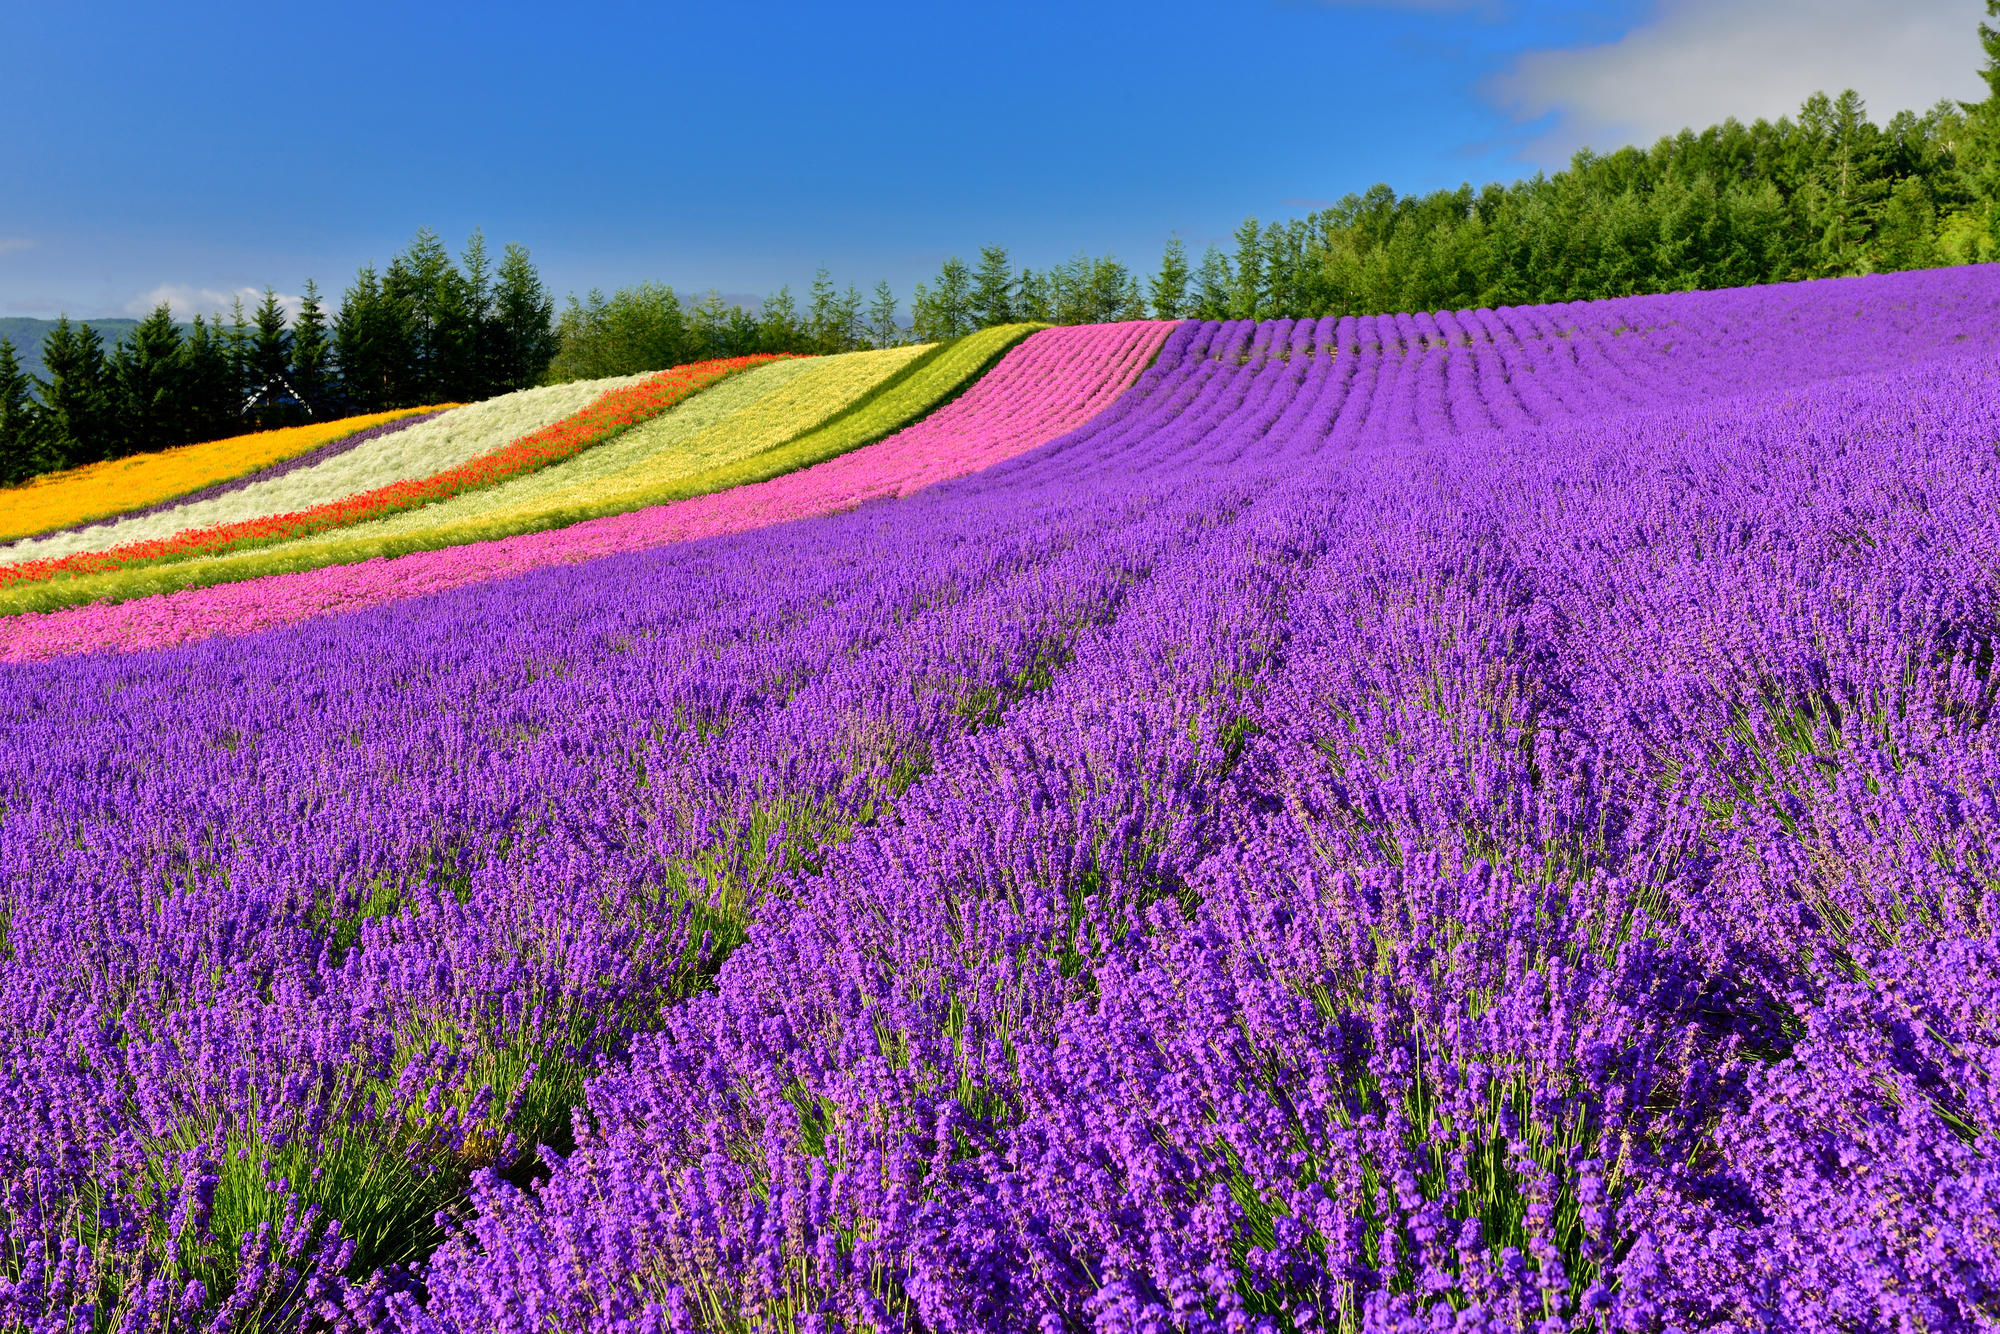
(1481, 820)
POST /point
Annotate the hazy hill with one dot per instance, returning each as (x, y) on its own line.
(27, 334)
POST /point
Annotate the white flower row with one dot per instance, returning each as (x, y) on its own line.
(753, 411)
(445, 441)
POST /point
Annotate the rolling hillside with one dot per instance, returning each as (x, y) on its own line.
(1474, 819)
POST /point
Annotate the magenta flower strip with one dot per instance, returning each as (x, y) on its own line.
(1053, 382)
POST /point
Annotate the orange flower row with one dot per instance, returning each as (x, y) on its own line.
(609, 415)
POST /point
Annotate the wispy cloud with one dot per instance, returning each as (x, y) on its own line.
(10, 244)
(187, 301)
(1699, 61)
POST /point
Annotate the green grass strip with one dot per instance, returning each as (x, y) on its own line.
(927, 383)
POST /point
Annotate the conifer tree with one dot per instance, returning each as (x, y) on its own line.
(1845, 180)
(1213, 283)
(76, 395)
(477, 352)
(1170, 284)
(312, 354)
(778, 328)
(993, 288)
(847, 320)
(20, 422)
(1283, 254)
(883, 328)
(427, 292)
(209, 395)
(1032, 302)
(722, 329)
(1246, 299)
(236, 348)
(151, 395)
(269, 365)
(944, 311)
(1131, 301)
(822, 325)
(1069, 290)
(1983, 120)
(372, 344)
(524, 338)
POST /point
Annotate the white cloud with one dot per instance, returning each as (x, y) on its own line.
(188, 301)
(10, 244)
(1699, 61)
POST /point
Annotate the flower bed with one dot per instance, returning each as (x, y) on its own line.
(119, 486)
(614, 412)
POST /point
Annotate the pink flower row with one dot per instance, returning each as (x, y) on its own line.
(1051, 383)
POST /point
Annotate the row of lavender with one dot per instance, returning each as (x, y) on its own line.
(1240, 864)
(1545, 882)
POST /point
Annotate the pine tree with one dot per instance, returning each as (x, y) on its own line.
(833, 322)
(1213, 283)
(1131, 301)
(1283, 253)
(1095, 291)
(476, 291)
(312, 354)
(1169, 285)
(1033, 302)
(269, 366)
(427, 292)
(151, 397)
(953, 297)
(1846, 181)
(1983, 120)
(847, 319)
(1069, 290)
(643, 328)
(210, 400)
(523, 335)
(372, 343)
(1246, 298)
(993, 288)
(778, 328)
(944, 311)
(78, 405)
(822, 327)
(20, 422)
(236, 350)
(721, 329)
(883, 328)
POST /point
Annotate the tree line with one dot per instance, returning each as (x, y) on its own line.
(1829, 194)
(650, 325)
(1826, 194)
(423, 330)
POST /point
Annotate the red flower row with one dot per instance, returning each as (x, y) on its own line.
(606, 416)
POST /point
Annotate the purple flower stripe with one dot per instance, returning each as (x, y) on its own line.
(1473, 821)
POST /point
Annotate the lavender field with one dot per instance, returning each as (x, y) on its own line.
(1479, 821)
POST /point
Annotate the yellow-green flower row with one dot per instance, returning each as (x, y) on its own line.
(906, 385)
(745, 415)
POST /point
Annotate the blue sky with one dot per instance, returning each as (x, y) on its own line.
(193, 150)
